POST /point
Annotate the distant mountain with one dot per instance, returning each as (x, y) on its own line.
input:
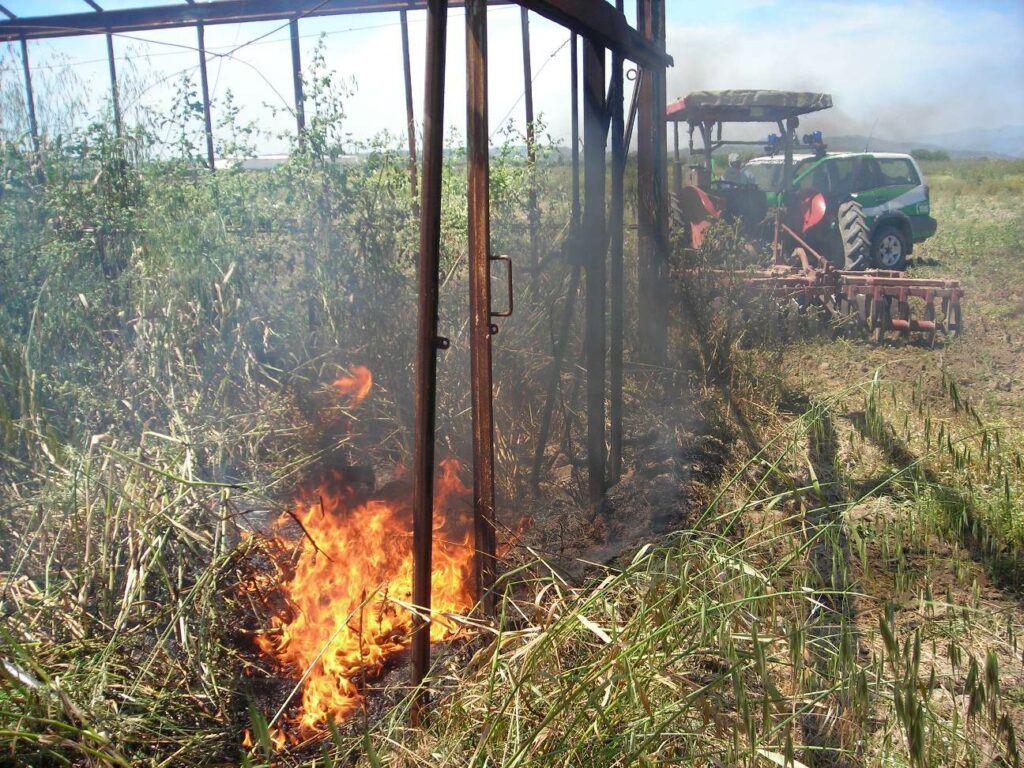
(1007, 140)
(1004, 142)
(855, 143)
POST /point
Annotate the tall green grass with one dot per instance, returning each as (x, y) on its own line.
(164, 337)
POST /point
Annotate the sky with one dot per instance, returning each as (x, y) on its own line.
(895, 69)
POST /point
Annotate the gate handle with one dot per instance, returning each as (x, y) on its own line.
(508, 262)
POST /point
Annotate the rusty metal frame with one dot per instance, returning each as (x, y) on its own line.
(410, 115)
(652, 205)
(481, 328)
(30, 98)
(593, 19)
(115, 99)
(427, 340)
(300, 98)
(594, 145)
(574, 133)
(616, 277)
(603, 27)
(565, 322)
(532, 211)
(204, 81)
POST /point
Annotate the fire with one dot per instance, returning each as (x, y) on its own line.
(354, 558)
(352, 568)
(357, 385)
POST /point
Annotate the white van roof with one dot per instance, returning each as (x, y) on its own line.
(798, 157)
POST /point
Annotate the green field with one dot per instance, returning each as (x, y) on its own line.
(838, 584)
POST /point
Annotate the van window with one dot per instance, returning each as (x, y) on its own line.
(816, 180)
(897, 172)
(767, 176)
(841, 170)
(866, 174)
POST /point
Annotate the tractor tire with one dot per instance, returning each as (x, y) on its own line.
(889, 250)
(854, 246)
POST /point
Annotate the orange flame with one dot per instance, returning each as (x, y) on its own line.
(357, 385)
(354, 563)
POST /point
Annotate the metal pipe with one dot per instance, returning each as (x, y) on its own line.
(574, 130)
(531, 142)
(677, 162)
(558, 353)
(204, 81)
(594, 143)
(410, 115)
(480, 327)
(652, 197)
(114, 99)
(30, 99)
(615, 226)
(787, 162)
(300, 99)
(645, 198)
(660, 191)
(427, 340)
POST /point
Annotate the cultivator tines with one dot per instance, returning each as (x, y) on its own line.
(883, 301)
(877, 301)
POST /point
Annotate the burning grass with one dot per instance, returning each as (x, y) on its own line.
(347, 585)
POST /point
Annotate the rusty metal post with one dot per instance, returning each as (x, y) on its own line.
(615, 234)
(558, 353)
(427, 340)
(594, 143)
(481, 329)
(574, 86)
(30, 99)
(661, 191)
(410, 115)
(677, 162)
(114, 98)
(300, 99)
(204, 81)
(652, 201)
(645, 199)
(532, 211)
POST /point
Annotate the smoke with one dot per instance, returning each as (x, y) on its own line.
(900, 72)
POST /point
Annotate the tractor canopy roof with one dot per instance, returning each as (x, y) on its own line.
(745, 106)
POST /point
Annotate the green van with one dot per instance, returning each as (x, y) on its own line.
(889, 186)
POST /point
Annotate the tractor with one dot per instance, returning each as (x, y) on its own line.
(819, 242)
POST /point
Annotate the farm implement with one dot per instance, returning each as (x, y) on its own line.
(815, 231)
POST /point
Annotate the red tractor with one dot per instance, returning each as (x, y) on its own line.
(820, 250)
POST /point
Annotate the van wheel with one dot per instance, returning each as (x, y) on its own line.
(889, 249)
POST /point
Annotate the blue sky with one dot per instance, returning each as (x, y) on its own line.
(898, 69)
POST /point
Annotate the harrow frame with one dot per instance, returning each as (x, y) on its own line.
(878, 299)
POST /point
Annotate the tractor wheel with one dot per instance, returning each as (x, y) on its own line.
(853, 244)
(889, 250)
